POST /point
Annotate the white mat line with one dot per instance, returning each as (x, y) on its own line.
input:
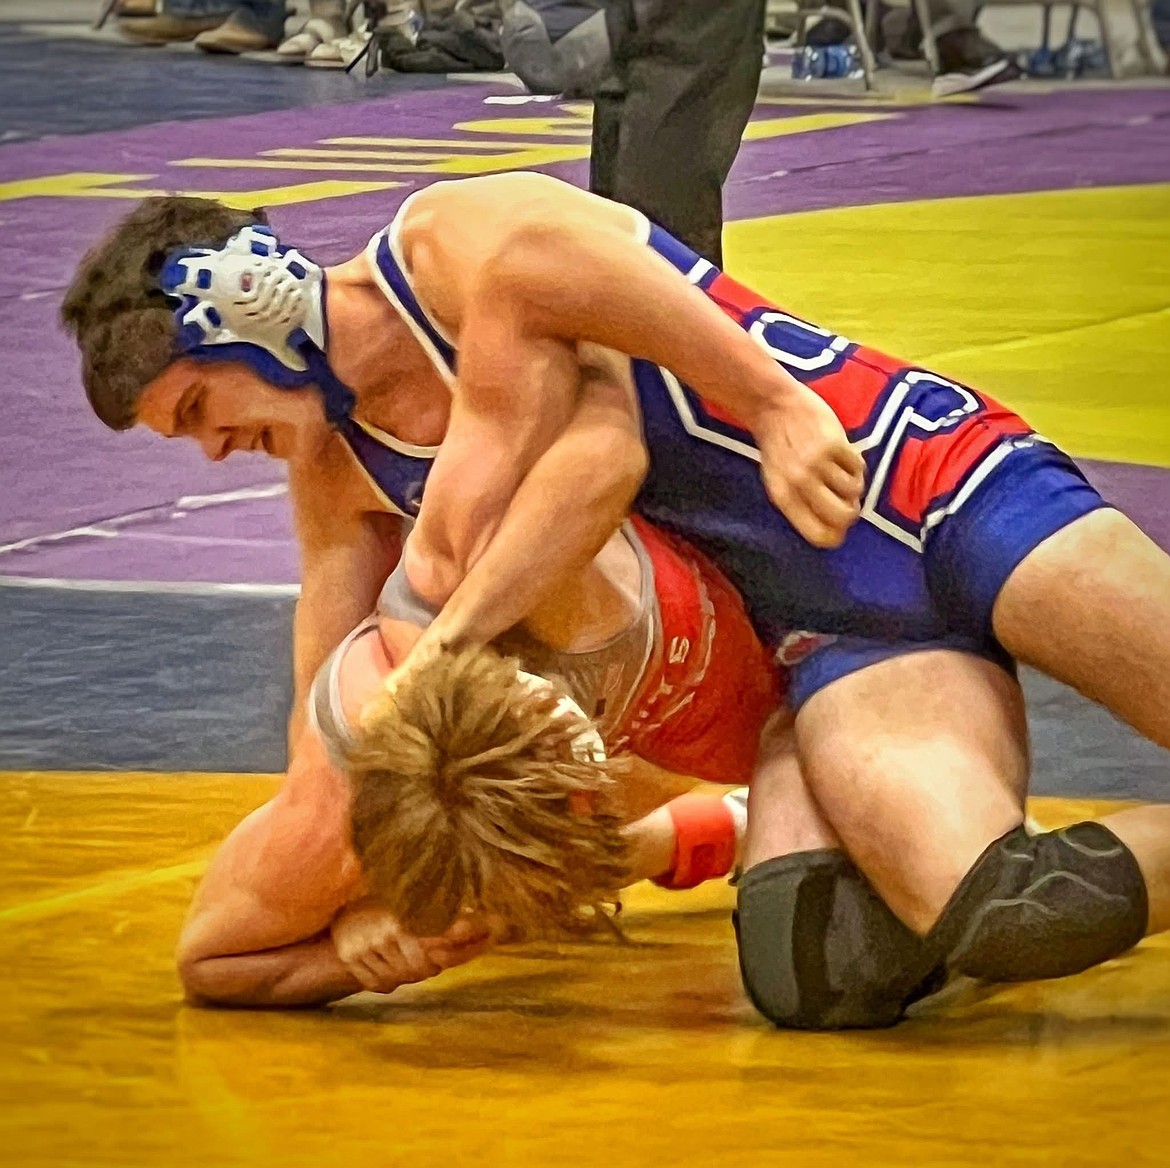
(109, 528)
(198, 502)
(186, 588)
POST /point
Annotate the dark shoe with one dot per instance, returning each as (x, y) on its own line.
(827, 31)
(969, 61)
(994, 73)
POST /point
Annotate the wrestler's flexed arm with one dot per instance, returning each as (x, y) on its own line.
(522, 266)
(595, 466)
(347, 550)
(259, 930)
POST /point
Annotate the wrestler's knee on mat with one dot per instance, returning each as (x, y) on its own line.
(819, 950)
(1045, 905)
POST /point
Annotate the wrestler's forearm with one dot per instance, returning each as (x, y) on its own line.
(693, 838)
(564, 511)
(604, 289)
(515, 397)
(307, 973)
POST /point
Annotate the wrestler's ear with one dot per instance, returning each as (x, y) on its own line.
(261, 216)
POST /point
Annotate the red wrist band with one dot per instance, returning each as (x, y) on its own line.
(705, 841)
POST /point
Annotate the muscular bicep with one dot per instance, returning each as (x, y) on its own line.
(514, 395)
(453, 233)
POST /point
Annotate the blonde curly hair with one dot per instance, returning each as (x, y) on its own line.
(472, 792)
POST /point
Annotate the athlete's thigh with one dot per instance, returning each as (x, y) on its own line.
(1091, 607)
(783, 816)
(919, 762)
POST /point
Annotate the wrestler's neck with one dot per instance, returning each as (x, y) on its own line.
(373, 351)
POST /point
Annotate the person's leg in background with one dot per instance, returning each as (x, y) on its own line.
(668, 122)
(967, 59)
(217, 26)
(252, 26)
(326, 23)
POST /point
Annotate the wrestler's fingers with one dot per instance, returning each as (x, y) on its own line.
(844, 483)
(385, 972)
(415, 957)
(809, 523)
(848, 459)
(449, 956)
(467, 928)
(832, 509)
(365, 975)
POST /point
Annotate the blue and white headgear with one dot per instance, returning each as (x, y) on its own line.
(256, 301)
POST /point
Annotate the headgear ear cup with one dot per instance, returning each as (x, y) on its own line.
(587, 745)
(259, 302)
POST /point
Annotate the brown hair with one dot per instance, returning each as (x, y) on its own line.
(467, 795)
(123, 322)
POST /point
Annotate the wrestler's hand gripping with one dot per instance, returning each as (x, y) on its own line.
(382, 955)
(810, 471)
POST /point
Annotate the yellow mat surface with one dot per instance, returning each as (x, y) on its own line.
(603, 1054)
(952, 284)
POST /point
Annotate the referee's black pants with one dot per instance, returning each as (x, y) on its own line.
(667, 123)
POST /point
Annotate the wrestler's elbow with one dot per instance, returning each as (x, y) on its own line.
(225, 981)
(434, 569)
(201, 980)
(206, 977)
(619, 464)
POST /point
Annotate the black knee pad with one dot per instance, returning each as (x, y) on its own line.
(819, 950)
(1042, 906)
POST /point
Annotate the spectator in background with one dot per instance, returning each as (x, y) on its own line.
(216, 26)
(556, 46)
(668, 119)
(326, 24)
(967, 59)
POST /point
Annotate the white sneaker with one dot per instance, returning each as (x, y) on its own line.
(317, 31)
(338, 53)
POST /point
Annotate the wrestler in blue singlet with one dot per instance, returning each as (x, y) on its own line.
(958, 489)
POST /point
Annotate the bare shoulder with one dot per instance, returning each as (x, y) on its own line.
(503, 202)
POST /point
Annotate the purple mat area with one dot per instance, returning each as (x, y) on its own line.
(1005, 144)
(70, 473)
(1142, 492)
(250, 541)
(224, 540)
